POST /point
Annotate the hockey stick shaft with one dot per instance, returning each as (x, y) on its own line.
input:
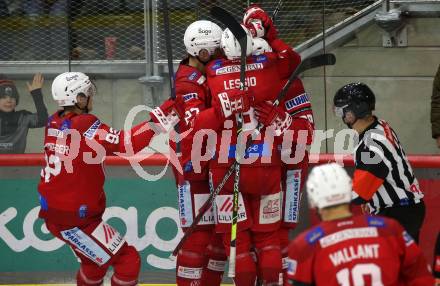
(169, 48)
(309, 63)
(228, 20)
(277, 9)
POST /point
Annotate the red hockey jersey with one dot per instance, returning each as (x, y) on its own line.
(75, 146)
(361, 250)
(192, 94)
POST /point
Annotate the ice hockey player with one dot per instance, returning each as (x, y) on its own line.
(383, 178)
(260, 192)
(351, 250)
(71, 191)
(298, 106)
(202, 259)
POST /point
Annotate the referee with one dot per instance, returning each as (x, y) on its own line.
(383, 179)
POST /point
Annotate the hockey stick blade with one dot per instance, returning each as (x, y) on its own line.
(239, 33)
(309, 63)
(317, 61)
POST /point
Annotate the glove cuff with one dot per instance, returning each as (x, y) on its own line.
(166, 122)
(281, 125)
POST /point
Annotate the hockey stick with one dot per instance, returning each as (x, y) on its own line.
(228, 20)
(309, 63)
(277, 9)
(169, 48)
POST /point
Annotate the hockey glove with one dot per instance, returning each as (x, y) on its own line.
(254, 14)
(273, 116)
(234, 101)
(256, 28)
(167, 115)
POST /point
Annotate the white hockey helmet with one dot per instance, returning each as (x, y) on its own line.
(201, 35)
(328, 185)
(231, 47)
(260, 46)
(67, 86)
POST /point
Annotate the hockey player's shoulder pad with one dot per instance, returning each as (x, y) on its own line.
(213, 66)
(190, 75)
(86, 124)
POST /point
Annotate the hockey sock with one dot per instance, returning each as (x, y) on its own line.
(215, 262)
(269, 256)
(191, 259)
(126, 267)
(245, 268)
(284, 243)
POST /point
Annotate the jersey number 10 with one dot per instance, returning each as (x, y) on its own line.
(357, 274)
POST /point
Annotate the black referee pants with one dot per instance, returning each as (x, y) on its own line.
(410, 217)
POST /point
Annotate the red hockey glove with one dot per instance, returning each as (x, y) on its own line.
(234, 101)
(254, 14)
(256, 28)
(167, 115)
(274, 116)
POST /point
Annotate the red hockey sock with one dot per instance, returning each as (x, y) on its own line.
(191, 258)
(90, 275)
(215, 262)
(269, 256)
(245, 268)
(126, 267)
(284, 243)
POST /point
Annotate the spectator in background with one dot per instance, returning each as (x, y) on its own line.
(435, 108)
(14, 125)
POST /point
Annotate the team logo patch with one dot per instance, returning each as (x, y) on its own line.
(270, 208)
(82, 211)
(314, 235)
(188, 167)
(65, 125)
(217, 64)
(90, 133)
(261, 59)
(189, 96)
(85, 245)
(208, 217)
(292, 264)
(109, 237)
(293, 189)
(376, 221)
(408, 239)
(185, 204)
(224, 205)
(297, 102)
(192, 76)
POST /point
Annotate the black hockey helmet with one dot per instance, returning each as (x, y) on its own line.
(355, 97)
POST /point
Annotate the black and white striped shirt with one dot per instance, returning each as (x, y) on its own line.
(383, 176)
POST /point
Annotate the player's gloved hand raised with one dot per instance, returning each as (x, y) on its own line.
(255, 14)
(273, 116)
(234, 101)
(167, 115)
